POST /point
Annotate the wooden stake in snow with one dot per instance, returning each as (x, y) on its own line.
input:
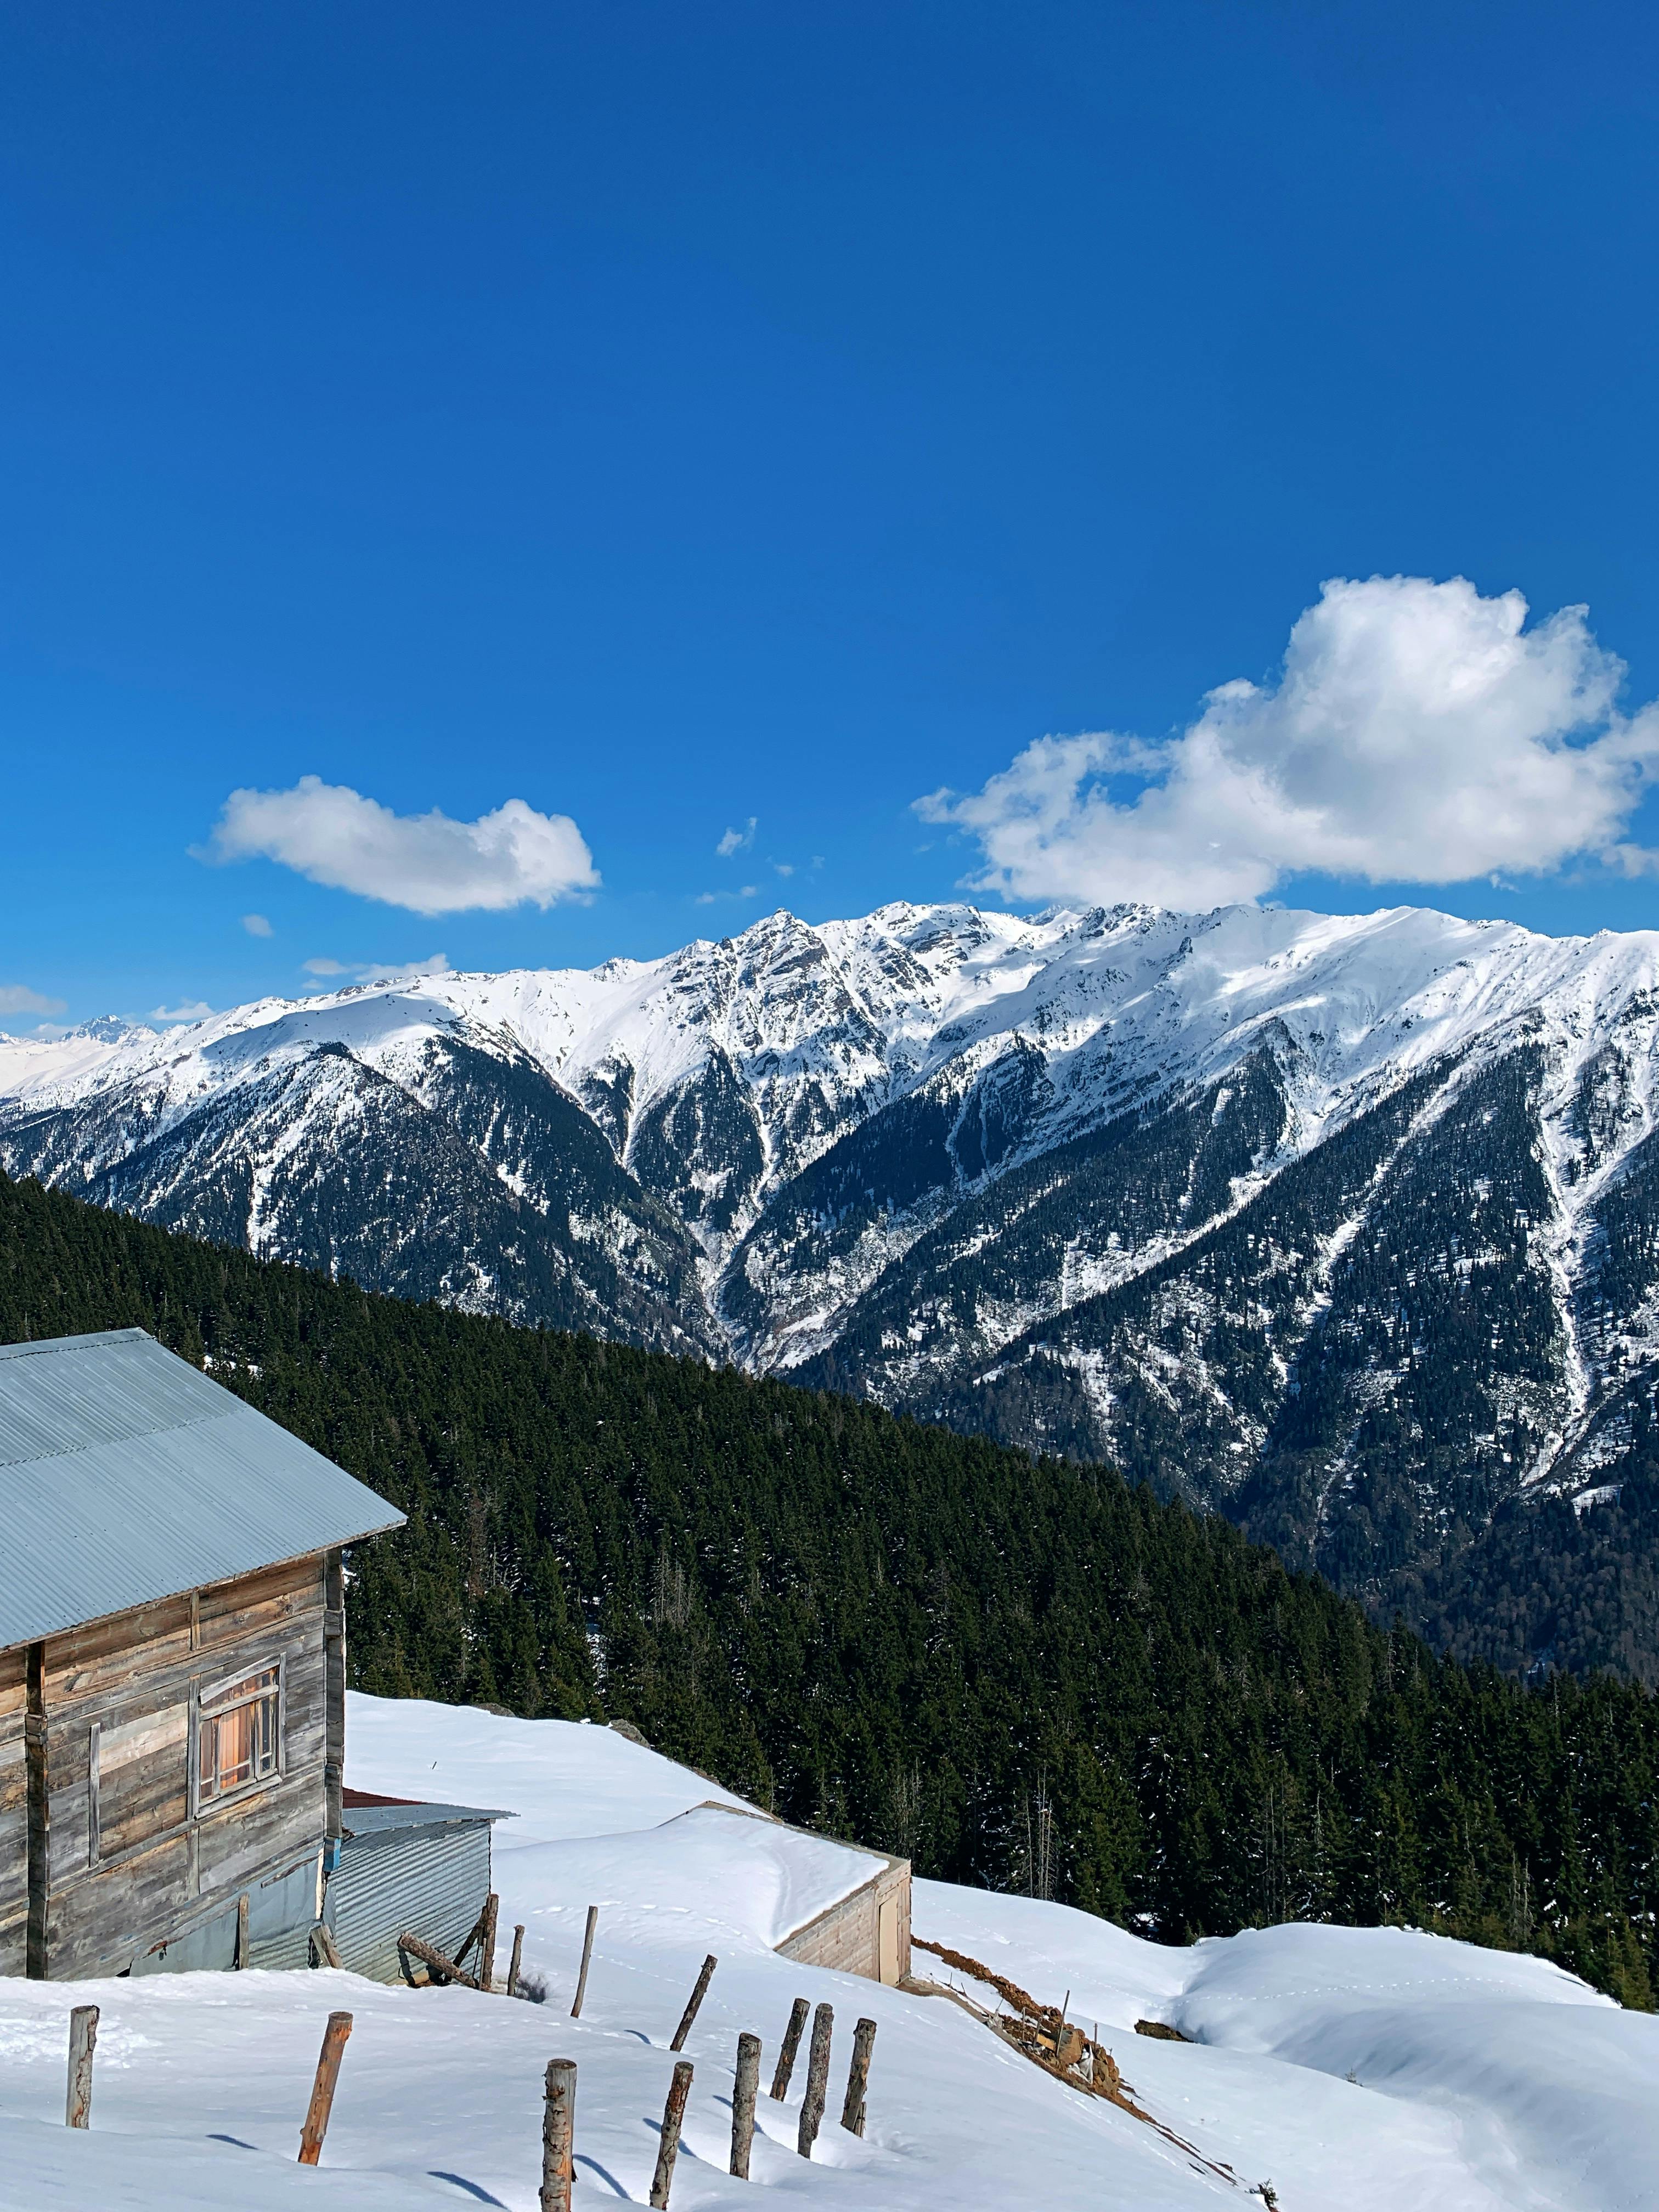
(558, 2135)
(588, 1953)
(696, 1998)
(487, 1942)
(792, 2034)
(668, 2144)
(858, 2077)
(241, 1929)
(817, 2080)
(744, 2090)
(83, 2036)
(322, 2089)
(518, 1954)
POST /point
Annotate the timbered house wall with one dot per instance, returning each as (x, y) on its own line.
(129, 1861)
(14, 1813)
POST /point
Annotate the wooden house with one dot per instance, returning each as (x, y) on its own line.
(171, 1666)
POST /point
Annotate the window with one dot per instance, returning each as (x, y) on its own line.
(238, 1735)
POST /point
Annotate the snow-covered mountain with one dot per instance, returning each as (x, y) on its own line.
(1348, 1225)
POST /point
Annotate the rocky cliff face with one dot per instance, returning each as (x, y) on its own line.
(1347, 1226)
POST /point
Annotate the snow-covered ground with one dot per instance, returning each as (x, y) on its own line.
(1353, 2069)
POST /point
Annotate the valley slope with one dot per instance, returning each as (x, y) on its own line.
(1346, 1226)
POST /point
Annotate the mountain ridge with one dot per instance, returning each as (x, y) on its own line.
(1346, 1225)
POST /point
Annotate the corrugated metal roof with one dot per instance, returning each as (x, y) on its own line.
(430, 1882)
(367, 1820)
(126, 1476)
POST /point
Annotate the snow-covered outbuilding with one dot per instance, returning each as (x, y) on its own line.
(171, 1665)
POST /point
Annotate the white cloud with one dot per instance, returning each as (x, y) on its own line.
(736, 841)
(256, 925)
(425, 862)
(378, 971)
(18, 999)
(197, 1009)
(784, 867)
(1416, 733)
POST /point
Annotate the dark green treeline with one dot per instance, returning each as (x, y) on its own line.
(1022, 1675)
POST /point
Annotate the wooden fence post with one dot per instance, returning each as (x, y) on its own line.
(83, 2036)
(817, 2080)
(241, 1930)
(858, 2077)
(322, 2089)
(668, 2142)
(792, 2034)
(696, 1998)
(518, 1954)
(588, 1953)
(744, 2090)
(558, 2136)
(487, 1942)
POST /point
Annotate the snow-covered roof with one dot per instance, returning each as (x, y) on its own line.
(605, 1820)
(125, 1476)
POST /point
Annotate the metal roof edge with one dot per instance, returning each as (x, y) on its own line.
(76, 1343)
(165, 1597)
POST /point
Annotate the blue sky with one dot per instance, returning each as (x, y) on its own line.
(670, 417)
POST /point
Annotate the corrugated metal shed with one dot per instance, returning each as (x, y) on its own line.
(126, 1476)
(419, 1869)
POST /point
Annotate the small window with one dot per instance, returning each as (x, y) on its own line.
(239, 1737)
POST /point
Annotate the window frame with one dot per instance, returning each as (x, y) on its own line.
(206, 1707)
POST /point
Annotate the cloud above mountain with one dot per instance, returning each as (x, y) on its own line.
(1416, 733)
(427, 863)
(18, 999)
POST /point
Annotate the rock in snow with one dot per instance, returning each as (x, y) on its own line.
(1356, 2070)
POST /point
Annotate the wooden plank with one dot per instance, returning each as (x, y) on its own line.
(238, 1837)
(259, 1602)
(39, 1817)
(334, 1685)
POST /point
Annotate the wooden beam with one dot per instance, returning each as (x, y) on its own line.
(39, 1813)
(334, 1684)
(431, 1956)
